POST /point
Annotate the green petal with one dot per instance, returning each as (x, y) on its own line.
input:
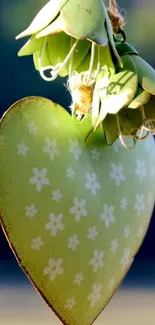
(146, 74)
(32, 46)
(119, 90)
(44, 17)
(54, 28)
(110, 128)
(105, 61)
(45, 59)
(58, 47)
(141, 98)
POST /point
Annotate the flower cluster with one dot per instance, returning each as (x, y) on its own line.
(107, 78)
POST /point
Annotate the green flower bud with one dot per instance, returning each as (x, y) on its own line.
(93, 28)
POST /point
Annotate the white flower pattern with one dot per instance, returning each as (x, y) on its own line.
(73, 242)
(92, 183)
(111, 283)
(37, 243)
(97, 260)
(51, 148)
(139, 205)
(55, 223)
(22, 149)
(39, 179)
(95, 295)
(70, 173)
(78, 209)
(108, 215)
(92, 233)
(32, 127)
(141, 169)
(75, 149)
(78, 278)
(95, 154)
(117, 174)
(31, 211)
(114, 245)
(116, 145)
(54, 268)
(70, 303)
(125, 260)
(124, 203)
(57, 195)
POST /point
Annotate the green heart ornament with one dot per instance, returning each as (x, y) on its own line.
(75, 213)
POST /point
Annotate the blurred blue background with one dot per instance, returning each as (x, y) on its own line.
(18, 79)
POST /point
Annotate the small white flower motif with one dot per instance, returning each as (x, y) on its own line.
(55, 122)
(31, 211)
(97, 261)
(39, 178)
(116, 145)
(141, 169)
(57, 195)
(55, 223)
(95, 294)
(111, 283)
(140, 232)
(73, 242)
(124, 203)
(78, 278)
(117, 174)
(22, 149)
(75, 149)
(150, 197)
(114, 245)
(32, 127)
(37, 243)
(92, 233)
(127, 232)
(70, 172)
(108, 215)
(54, 268)
(95, 154)
(70, 303)
(78, 209)
(51, 148)
(92, 183)
(126, 258)
(139, 205)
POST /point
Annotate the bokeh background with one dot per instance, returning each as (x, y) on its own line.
(19, 303)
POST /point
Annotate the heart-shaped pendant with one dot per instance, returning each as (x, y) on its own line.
(75, 212)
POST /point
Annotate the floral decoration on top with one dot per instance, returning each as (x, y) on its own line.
(107, 78)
